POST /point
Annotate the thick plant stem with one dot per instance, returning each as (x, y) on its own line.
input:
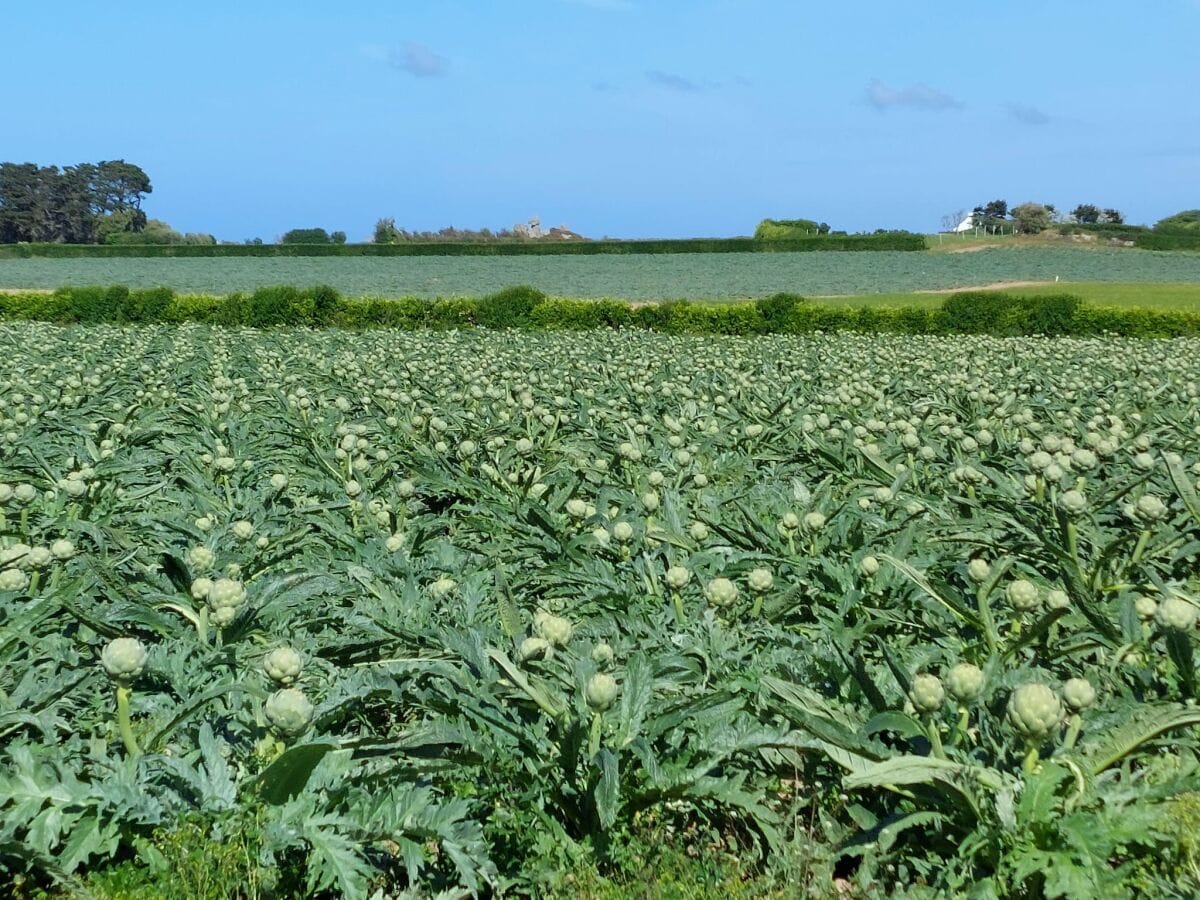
(989, 623)
(124, 723)
(677, 602)
(594, 738)
(1073, 726)
(1143, 539)
(935, 737)
(1029, 765)
(964, 720)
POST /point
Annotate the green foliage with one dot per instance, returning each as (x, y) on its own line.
(1032, 218)
(971, 312)
(1181, 239)
(312, 245)
(992, 312)
(436, 544)
(788, 229)
(509, 308)
(777, 309)
(1187, 221)
(306, 236)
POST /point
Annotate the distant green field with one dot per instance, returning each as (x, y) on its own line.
(1144, 295)
(701, 276)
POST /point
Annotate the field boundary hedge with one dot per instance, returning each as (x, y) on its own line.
(970, 312)
(903, 241)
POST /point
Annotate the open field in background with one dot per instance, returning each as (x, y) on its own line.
(1146, 295)
(716, 276)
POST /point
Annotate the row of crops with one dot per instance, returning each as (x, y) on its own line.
(696, 276)
(364, 613)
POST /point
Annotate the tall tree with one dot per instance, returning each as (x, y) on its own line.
(77, 204)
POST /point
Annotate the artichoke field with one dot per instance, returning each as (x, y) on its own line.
(406, 613)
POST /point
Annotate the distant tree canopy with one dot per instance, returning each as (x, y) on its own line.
(1187, 221)
(386, 232)
(1032, 218)
(157, 232)
(307, 236)
(785, 229)
(80, 204)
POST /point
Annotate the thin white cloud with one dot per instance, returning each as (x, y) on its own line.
(1028, 115)
(419, 60)
(604, 5)
(673, 82)
(916, 96)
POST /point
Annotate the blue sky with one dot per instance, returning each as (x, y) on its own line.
(628, 118)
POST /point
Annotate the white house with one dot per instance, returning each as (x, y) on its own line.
(967, 224)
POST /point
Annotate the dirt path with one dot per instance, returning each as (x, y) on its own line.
(994, 286)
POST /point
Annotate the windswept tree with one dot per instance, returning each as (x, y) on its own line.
(1032, 218)
(76, 204)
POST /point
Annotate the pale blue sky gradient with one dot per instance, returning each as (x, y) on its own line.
(631, 118)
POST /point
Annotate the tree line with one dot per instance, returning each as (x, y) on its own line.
(81, 204)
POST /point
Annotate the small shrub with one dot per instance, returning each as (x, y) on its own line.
(509, 308)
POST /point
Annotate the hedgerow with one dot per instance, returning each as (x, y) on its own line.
(523, 307)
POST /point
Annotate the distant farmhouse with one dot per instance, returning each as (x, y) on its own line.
(533, 229)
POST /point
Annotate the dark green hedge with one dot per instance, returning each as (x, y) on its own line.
(1168, 240)
(851, 242)
(978, 312)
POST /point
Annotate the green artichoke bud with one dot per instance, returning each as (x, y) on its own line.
(1078, 694)
(442, 588)
(965, 682)
(1057, 599)
(279, 481)
(1034, 711)
(602, 655)
(868, 566)
(201, 558)
(576, 508)
(534, 648)
(201, 587)
(760, 580)
(1073, 503)
(721, 592)
(698, 531)
(1145, 606)
(283, 665)
(243, 529)
(678, 576)
(62, 549)
(124, 659)
(601, 691)
(926, 693)
(1149, 508)
(1023, 595)
(789, 522)
(814, 521)
(1176, 613)
(623, 532)
(226, 592)
(13, 580)
(554, 629)
(289, 711)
